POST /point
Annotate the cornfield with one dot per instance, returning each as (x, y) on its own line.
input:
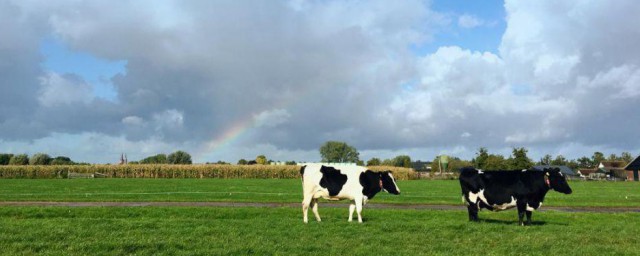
(172, 171)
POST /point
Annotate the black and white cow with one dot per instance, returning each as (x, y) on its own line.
(501, 190)
(354, 183)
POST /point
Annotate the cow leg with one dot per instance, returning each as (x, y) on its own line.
(305, 208)
(359, 208)
(352, 207)
(522, 208)
(314, 208)
(529, 217)
(473, 212)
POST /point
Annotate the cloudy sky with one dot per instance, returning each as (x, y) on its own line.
(225, 80)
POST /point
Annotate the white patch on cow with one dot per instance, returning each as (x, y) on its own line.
(529, 208)
(480, 171)
(394, 182)
(473, 197)
(505, 206)
(524, 170)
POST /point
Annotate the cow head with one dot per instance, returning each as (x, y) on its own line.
(557, 181)
(389, 183)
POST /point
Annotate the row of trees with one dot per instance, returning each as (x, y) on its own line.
(340, 152)
(519, 160)
(178, 157)
(585, 162)
(36, 159)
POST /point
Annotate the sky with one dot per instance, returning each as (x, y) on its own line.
(225, 80)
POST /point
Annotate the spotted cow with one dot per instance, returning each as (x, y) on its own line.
(354, 183)
(502, 190)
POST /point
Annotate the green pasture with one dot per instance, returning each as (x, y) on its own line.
(586, 194)
(280, 231)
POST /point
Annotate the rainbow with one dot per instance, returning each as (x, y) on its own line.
(231, 134)
(240, 127)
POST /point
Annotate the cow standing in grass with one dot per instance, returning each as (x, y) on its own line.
(354, 183)
(501, 190)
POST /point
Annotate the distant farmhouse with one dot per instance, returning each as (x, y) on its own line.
(421, 166)
(632, 169)
(611, 170)
(566, 170)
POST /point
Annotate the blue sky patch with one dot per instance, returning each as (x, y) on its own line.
(97, 72)
(484, 37)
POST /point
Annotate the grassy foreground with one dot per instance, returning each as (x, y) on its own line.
(267, 231)
(586, 194)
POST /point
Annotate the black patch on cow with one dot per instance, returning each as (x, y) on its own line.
(302, 170)
(370, 182)
(332, 180)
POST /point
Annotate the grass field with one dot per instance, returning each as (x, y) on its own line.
(268, 231)
(586, 194)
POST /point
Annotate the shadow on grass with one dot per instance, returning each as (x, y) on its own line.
(515, 222)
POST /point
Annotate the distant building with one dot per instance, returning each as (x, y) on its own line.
(421, 166)
(123, 159)
(632, 169)
(566, 170)
(614, 170)
(585, 173)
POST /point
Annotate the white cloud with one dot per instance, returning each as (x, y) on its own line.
(133, 121)
(63, 89)
(170, 118)
(469, 21)
(272, 118)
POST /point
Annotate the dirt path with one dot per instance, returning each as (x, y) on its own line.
(296, 205)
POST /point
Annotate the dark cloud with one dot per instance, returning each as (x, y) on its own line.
(287, 76)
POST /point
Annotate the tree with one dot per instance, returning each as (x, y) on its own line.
(585, 162)
(374, 162)
(545, 160)
(520, 159)
(21, 159)
(597, 158)
(480, 161)
(495, 162)
(402, 161)
(290, 163)
(560, 160)
(242, 162)
(338, 152)
(612, 157)
(261, 159)
(179, 157)
(40, 159)
(157, 159)
(4, 158)
(61, 160)
(387, 162)
(454, 165)
(626, 157)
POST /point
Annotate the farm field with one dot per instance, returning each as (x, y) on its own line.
(267, 231)
(586, 194)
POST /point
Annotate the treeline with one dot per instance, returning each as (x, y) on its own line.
(178, 157)
(36, 159)
(519, 160)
